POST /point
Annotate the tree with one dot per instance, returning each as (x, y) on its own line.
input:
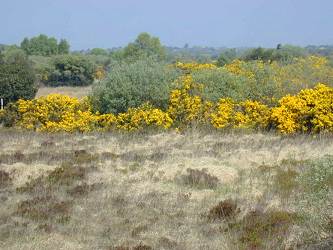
(25, 45)
(145, 46)
(226, 57)
(15, 55)
(259, 54)
(63, 47)
(43, 45)
(17, 81)
(71, 70)
(98, 52)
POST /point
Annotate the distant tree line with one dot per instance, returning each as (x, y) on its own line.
(43, 45)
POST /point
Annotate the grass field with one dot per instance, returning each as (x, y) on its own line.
(165, 191)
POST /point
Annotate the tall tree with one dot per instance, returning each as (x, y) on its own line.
(63, 47)
(145, 46)
(44, 46)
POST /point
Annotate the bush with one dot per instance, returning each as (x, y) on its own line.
(219, 83)
(71, 70)
(16, 81)
(130, 85)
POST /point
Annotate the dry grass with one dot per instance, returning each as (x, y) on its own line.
(78, 92)
(158, 191)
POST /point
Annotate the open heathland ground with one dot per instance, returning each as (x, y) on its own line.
(78, 92)
(191, 190)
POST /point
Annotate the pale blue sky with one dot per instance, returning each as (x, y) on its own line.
(110, 23)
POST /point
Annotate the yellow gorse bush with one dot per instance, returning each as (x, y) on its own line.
(193, 66)
(311, 110)
(56, 113)
(248, 114)
(185, 106)
(142, 117)
(238, 67)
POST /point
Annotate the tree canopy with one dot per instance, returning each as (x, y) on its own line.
(43, 45)
(145, 45)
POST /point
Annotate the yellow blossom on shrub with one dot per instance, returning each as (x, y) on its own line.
(223, 115)
(185, 106)
(56, 113)
(142, 117)
(238, 67)
(194, 66)
(252, 114)
(311, 109)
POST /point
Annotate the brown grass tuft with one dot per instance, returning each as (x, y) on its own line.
(43, 208)
(199, 179)
(223, 210)
(5, 179)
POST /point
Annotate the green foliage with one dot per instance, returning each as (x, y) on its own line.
(221, 84)
(15, 55)
(16, 81)
(71, 70)
(287, 52)
(283, 53)
(98, 52)
(259, 54)
(130, 85)
(317, 179)
(63, 47)
(226, 57)
(42, 66)
(144, 46)
(44, 46)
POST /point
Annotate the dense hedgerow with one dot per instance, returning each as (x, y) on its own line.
(310, 110)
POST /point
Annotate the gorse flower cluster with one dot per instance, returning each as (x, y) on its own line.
(56, 112)
(186, 106)
(194, 66)
(310, 110)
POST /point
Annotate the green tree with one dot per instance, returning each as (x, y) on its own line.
(16, 81)
(15, 55)
(260, 54)
(226, 57)
(98, 52)
(43, 45)
(25, 45)
(71, 70)
(144, 46)
(63, 47)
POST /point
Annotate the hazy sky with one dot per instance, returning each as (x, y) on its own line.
(111, 23)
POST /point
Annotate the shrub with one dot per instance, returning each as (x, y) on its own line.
(310, 110)
(53, 113)
(130, 85)
(219, 83)
(258, 229)
(71, 70)
(16, 81)
(223, 210)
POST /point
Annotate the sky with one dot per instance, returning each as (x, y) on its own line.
(110, 23)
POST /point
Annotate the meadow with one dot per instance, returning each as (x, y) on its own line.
(135, 149)
(169, 190)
